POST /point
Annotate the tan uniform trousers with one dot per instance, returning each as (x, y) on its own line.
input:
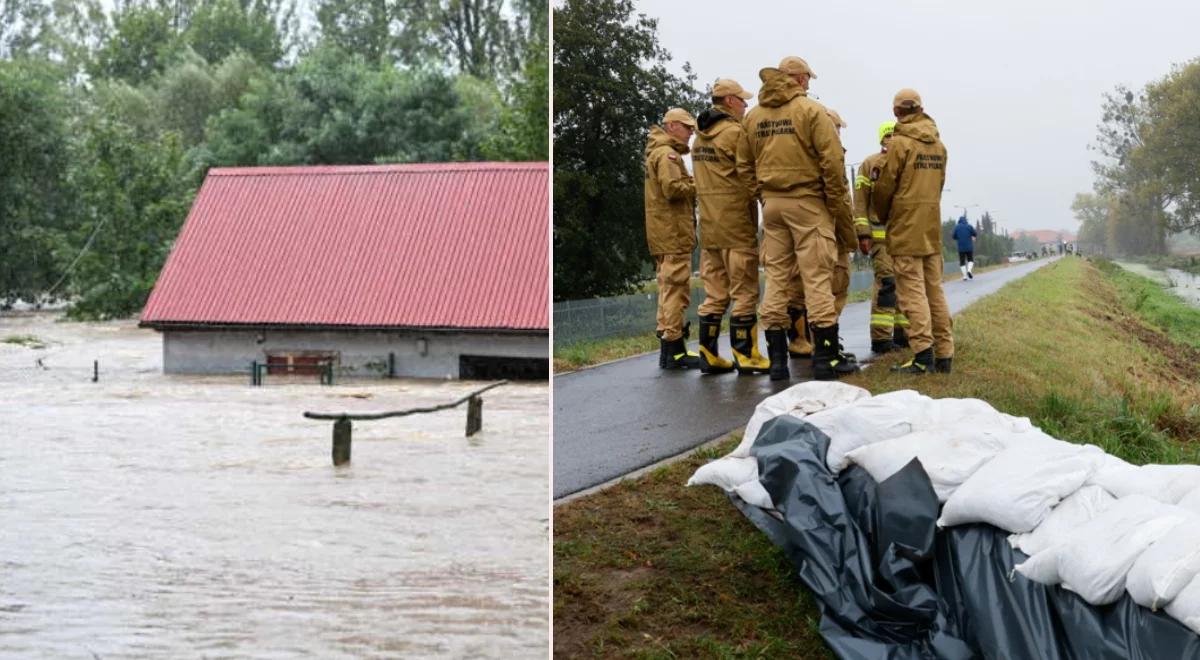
(674, 276)
(919, 285)
(729, 274)
(883, 299)
(798, 235)
(841, 282)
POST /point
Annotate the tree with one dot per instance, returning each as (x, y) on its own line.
(134, 196)
(36, 196)
(611, 84)
(142, 41)
(336, 108)
(221, 27)
(1170, 154)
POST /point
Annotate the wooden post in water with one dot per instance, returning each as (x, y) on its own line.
(474, 415)
(341, 441)
(95, 371)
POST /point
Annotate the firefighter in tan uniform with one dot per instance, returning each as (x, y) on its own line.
(728, 234)
(887, 323)
(792, 149)
(670, 195)
(908, 196)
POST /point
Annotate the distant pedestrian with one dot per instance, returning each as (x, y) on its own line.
(965, 234)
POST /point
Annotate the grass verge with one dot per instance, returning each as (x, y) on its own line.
(28, 341)
(651, 569)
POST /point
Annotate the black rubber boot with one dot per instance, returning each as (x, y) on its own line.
(941, 365)
(900, 337)
(662, 350)
(921, 363)
(711, 361)
(743, 338)
(777, 351)
(828, 363)
(675, 355)
(882, 346)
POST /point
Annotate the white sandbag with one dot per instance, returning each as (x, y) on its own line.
(1185, 607)
(798, 400)
(1191, 501)
(872, 420)
(1016, 489)
(948, 456)
(1095, 562)
(727, 473)
(1042, 567)
(1165, 483)
(1166, 567)
(1075, 510)
(976, 413)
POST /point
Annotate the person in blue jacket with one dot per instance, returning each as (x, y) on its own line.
(965, 234)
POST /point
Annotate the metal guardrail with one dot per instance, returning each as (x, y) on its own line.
(343, 428)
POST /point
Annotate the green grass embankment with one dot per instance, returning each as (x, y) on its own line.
(651, 569)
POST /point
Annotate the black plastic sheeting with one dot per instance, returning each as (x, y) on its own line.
(891, 585)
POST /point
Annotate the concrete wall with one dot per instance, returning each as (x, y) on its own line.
(361, 354)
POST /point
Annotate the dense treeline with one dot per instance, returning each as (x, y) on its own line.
(610, 85)
(1148, 180)
(110, 119)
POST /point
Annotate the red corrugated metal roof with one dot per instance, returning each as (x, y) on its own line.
(448, 245)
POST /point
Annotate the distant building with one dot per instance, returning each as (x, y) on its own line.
(431, 270)
(1047, 237)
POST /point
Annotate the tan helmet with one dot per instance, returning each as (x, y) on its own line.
(680, 115)
(794, 66)
(729, 87)
(907, 98)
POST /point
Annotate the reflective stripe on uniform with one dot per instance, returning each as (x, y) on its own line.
(862, 221)
(882, 320)
(879, 234)
(901, 320)
(862, 181)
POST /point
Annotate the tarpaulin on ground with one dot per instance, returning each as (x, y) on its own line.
(891, 584)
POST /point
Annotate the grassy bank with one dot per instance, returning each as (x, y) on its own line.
(651, 569)
(578, 355)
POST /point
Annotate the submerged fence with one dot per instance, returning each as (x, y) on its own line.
(634, 314)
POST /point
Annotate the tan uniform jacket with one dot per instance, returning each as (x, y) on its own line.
(908, 193)
(847, 239)
(791, 147)
(728, 212)
(670, 196)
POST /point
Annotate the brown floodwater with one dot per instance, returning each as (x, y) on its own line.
(147, 515)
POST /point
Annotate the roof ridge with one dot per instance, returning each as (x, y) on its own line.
(379, 168)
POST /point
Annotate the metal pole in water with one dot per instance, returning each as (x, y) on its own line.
(474, 415)
(95, 371)
(341, 441)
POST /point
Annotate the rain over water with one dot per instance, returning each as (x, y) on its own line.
(147, 515)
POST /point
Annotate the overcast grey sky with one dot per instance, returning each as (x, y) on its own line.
(1015, 86)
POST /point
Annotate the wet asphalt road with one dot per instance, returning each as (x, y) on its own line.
(615, 418)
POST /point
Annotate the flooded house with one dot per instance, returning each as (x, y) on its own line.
(425, 270)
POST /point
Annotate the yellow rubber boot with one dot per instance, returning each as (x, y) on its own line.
(799, 341)
(711, 361)
(743, 336)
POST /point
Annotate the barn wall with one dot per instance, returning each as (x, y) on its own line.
(361, 354)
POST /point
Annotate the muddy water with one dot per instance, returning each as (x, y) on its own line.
(1179, 282)
(164, 516)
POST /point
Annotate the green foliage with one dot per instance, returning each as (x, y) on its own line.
(99, 169)
(136, 194)
(611, 84)
(337, 108)
(35, 193)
